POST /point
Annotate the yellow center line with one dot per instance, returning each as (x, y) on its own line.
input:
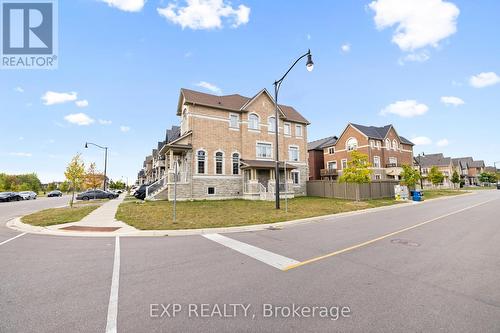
(357, 246)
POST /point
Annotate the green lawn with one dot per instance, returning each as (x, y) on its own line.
(157, 215)
(479, 188)
(432, 194)
(58, 215)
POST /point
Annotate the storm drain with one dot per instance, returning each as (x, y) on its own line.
(404, 242)
(93, 229)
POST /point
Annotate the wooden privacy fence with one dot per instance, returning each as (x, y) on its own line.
(330, 189)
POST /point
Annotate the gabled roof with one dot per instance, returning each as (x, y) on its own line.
(322, 143)
(477, 164)
(462, 162)
(172, 134)
(379, 133)
(235, 103)
(430, 160)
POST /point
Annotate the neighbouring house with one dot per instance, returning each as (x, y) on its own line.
(444, 164)
(387, 151)
(315, 153)
(490, 169)
(224, 149)
(469, 170)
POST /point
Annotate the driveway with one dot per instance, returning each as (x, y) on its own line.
(428, 267)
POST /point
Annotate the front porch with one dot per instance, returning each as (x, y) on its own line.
(259, 181)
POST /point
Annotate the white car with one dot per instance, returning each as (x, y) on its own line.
(28, 195)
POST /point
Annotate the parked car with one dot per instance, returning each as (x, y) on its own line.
(10, 196)
(96, 194)
(28, 195)
(498, 186)
(55, 193)
(140, 193)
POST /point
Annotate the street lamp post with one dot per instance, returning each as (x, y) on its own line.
(105, 160)
(277, 85)
(420, 170)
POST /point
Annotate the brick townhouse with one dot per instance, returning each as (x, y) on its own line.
(225, 149)
(387, 151)
(469, 170)
(316, 157)
(442, 163)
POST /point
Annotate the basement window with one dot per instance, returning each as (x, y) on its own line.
(211, 191)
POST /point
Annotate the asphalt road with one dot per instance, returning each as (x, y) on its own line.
(432, 267)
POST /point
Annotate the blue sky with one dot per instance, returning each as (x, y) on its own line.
(430, 67)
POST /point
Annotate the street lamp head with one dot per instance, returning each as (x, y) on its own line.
(86, 146)
(310, 63)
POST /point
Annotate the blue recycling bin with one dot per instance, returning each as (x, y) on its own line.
(417, 195)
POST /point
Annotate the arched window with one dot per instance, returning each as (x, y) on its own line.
(201, 161)
(236, 164)
(271, 124)
(394, 144)
(253, 121)
(352, 144)
(184, 121)
(219, 163)
(387, 144)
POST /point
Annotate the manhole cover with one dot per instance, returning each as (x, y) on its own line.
(84, 228)
(404, 242)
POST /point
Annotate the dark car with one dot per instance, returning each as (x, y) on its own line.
(498, 186)
(55, 193)
(96, 194)
(140, 193)
(10, 196)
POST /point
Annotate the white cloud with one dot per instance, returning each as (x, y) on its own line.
(19, 89)
(452, 100)
(205, 14)
(126, 5)
(83, 103)
(80, 119)
(415, 57)
(407, 109)
(104, 122)
(52, 97)
(345, 47)
(419, 23)
(188, 54)
(484, 79)
(209, 86)
(124, 129)
(21, 138)
(421, 141)
(21, 154)
(442, 143)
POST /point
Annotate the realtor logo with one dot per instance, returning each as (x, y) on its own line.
(29, 34)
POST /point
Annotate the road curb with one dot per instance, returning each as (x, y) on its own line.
(18, 225)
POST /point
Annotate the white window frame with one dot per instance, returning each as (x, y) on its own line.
(223, 164)
(290, 156)
(267, 144)
(184, 121)
(232, 163)
(378, 176)
(331, 150)
(377, 158)
(387, 144)
(299, 131)
(331, 163)
(205, 166)
(233, 116)
(295, 172)
(372, 144)
(257, 127)
(342, 161)
(394, 144)
(271, 128)
(393, 160)
(285, 131)
(347, 144)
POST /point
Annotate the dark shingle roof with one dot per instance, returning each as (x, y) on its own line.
(322, 143)
(234, 103)
(477, 164)
(462, 162)
(430, 160)
(172, 134)
(379, 133)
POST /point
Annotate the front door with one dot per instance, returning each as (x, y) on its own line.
(263, 176)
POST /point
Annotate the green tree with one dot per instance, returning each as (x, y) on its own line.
(455, 179)
(410, 176)
(65, 186)
(436, 176)
(93, 178)
(51, 186)
(486, 177)
(75, 174)
(357, 170)
(118, 185)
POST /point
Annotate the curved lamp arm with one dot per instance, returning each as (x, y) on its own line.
(277, 83)
(94, 144)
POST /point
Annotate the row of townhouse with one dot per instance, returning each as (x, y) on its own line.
(387, 151)
(224, 148)
(468, 169)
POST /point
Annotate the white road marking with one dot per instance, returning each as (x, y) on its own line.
(8, 240)
(270, 258)
(113, 296)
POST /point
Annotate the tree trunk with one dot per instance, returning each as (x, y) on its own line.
(72, 198)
